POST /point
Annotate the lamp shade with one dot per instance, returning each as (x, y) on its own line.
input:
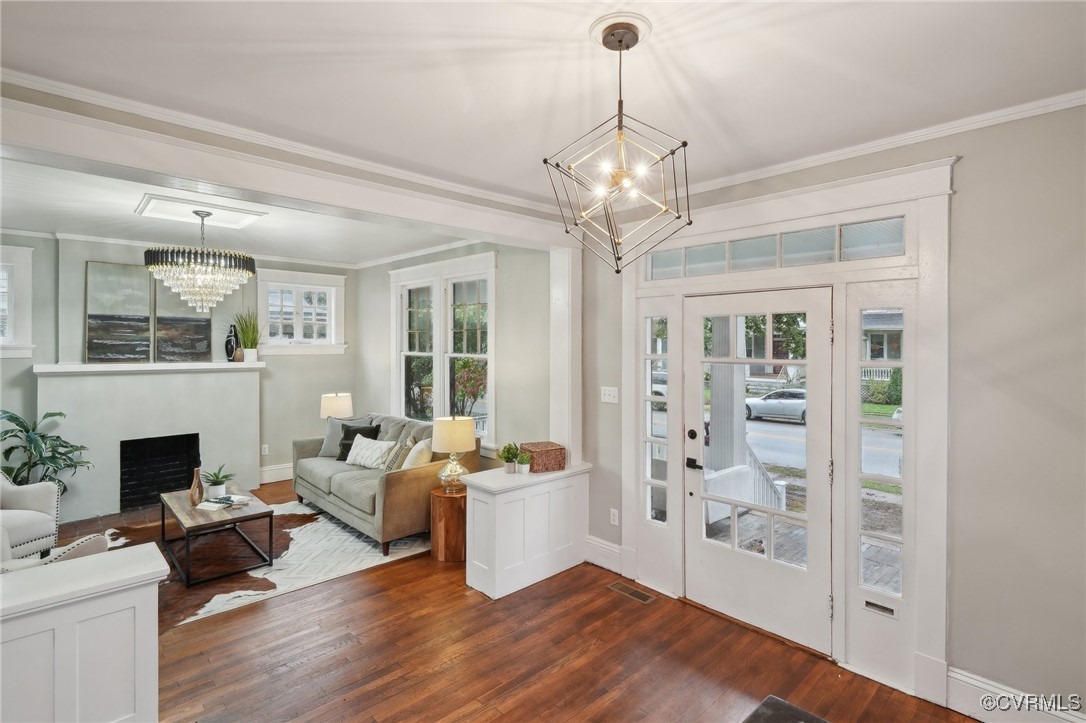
(338, 404)
(453, 434)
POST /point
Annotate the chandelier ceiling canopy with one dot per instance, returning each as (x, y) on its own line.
(202, 276)
(621, 188)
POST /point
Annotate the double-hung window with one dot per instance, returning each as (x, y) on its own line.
(443, 356)
(301, 312)
(15, 297)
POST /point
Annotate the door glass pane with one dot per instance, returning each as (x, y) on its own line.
(880, 507)
(656, 335)
(880, 392)
(656, 377)
(789, 336)
(761, 460)
(418, 376)
(880, 450)
(656, 461)
(718, 521)
(750, 337)
(754, 253)
(656, 420)
(873, 239)
(657, 499)
(717, 334)
(751, 531)
(703, 260)
(816, 246)
(789, 541)
(880, 564)
(666, 264)
(881, 329)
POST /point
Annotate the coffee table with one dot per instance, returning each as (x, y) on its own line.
(194, 523)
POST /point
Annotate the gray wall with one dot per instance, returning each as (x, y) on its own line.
(521, 339)
(18, 385)
(1017, 583)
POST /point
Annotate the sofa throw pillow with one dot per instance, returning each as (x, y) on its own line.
(333, 434)
(369, 453)
(350, 431)
(419, 455)
(398, 455)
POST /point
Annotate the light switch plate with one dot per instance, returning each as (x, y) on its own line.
(609, 395)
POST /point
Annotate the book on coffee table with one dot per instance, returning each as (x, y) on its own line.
(223, 502)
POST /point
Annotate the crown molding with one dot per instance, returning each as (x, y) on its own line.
(984, 120)
(28, 234)
(237, 133)
(415, 254)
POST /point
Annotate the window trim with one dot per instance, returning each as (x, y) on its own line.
(335, 283)
(441, 276)
(20, 300)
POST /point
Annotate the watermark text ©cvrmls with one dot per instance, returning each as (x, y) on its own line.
(1021, 702)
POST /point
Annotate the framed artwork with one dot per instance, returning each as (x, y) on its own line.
(118, 313)
(182, 334)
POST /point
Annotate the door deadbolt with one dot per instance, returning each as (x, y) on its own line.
(692, 434)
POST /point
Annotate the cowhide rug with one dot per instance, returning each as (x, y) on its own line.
(310, 547)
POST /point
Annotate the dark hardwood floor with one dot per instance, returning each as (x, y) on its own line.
(409, 641)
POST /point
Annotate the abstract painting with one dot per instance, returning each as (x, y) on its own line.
(182, 334)
(118, 313)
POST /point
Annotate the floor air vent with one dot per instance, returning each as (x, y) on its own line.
(639, 596)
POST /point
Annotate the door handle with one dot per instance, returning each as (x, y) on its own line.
(692, 463)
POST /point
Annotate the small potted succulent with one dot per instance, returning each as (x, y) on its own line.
(509, 454)
(216, 482)
(524, 462)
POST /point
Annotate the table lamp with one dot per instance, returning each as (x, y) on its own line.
(453, 435)
(337, 404)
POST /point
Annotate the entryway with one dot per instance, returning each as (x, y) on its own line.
(756, 401)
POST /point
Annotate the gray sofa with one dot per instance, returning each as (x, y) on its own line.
(383, 505)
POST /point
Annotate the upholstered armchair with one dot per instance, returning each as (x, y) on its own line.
(28, 517)
(89, 545)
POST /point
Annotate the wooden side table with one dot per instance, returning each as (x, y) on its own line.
(448, 526)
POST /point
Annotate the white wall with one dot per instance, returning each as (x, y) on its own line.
(1017, 502)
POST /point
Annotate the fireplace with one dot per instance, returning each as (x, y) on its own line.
(155, 465)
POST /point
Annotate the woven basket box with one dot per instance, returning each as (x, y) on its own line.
(546, 456)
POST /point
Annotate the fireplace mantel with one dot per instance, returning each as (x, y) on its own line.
(79, 369)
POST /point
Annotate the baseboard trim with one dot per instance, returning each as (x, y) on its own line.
(605, 554)
(276, 473)
(965, 692)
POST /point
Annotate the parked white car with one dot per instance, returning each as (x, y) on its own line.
(783, 404)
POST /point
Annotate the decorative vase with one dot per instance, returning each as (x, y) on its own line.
(510, 467)
(196, 491)
(239, 355)
(231, 343)
(215, 491)
(523, 468)
(250, 355)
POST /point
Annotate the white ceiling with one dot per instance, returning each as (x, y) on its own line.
(474, 95)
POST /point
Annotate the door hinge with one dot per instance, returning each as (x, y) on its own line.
(831, 332)
(831, 471)
(831, 607)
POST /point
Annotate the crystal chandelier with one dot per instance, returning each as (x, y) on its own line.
(622, 187)
(202, 276)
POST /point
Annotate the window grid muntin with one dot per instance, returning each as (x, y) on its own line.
(676, 258)
(293, 320)
(656, 330)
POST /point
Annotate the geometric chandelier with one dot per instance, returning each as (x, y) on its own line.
(622, 188)
(202, 276)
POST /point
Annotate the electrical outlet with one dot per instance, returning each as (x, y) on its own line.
(263, 450)
(609, 395)
(614, 517)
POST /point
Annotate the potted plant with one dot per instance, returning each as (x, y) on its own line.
(248, 325)
(41, 456)
(524, 462)
(216, 482)
(509, 454)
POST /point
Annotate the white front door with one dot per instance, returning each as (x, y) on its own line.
(756, 401)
